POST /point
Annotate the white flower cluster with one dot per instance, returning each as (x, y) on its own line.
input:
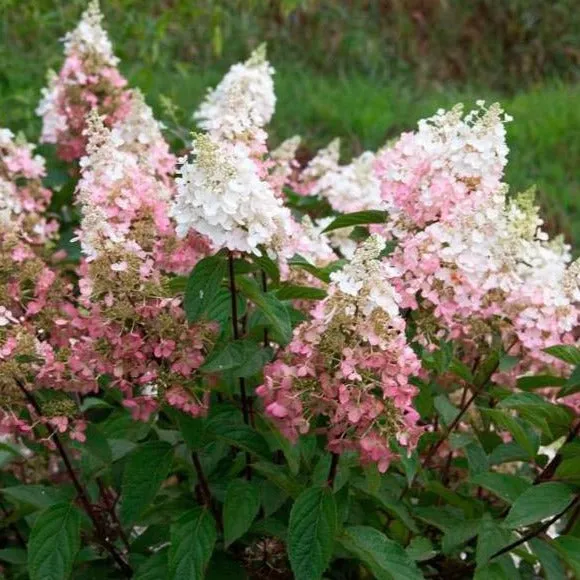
(325, 161)
(89, 38)
(366, 278)
(243, 102)
(103, 170)
(471, 146)
(284, 158)
(9, 203)
(220, 194)
(53, 121)
(353, 187)
(140, 133)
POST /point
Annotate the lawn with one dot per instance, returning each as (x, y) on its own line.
(334, 77)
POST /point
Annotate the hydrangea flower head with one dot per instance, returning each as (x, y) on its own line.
(220, 194)
(88, 79)
(349, 367)
(243, 102)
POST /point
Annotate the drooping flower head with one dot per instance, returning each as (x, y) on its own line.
(89, 79)
(243, 102)
(349, 367)
(221, 195)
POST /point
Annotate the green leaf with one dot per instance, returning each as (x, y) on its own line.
(147, 467)
(153, 568)
(569, 548)
(299, 262)
(191, 428)
(273, 310)
(294, 292)
(476, 458)
(97, 445)
(572, 384)
(565, 352)
(539, 382)
(37, 496)
(54, 542)
(228, 429)
(515, 426)
(420, 549)
(193, 539)
(539, 502)
(202, 285)
(491, 538)
(268, 266)
(357, 218)
(13, 556)
(507, 487)
(386, 559)
(549, 559)
(279, 476)
(244, 358)
(311, 531)
(241, 506)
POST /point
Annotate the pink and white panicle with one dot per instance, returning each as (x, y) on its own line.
(242, 104)
(222, 195)
(350, 188)
(453, 161)
(89, 79)
(124, 206)
(134, 331)
(32, 294)
(348, 369)
(23, 199)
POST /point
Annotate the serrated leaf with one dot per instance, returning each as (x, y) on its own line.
(193, 539)
(295, 292)
(147, 467)
(386, 559)
(357, 218)
(565, 352)
(54, 542)
(202, 285)
(311, 531)
(539, 502)
(241, 506)
(507, 487)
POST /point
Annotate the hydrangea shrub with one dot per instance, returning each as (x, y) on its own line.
(244, 366)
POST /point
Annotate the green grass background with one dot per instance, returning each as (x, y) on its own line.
(361, 70)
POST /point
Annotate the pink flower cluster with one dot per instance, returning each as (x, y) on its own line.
(88, 79)
(348, 369)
